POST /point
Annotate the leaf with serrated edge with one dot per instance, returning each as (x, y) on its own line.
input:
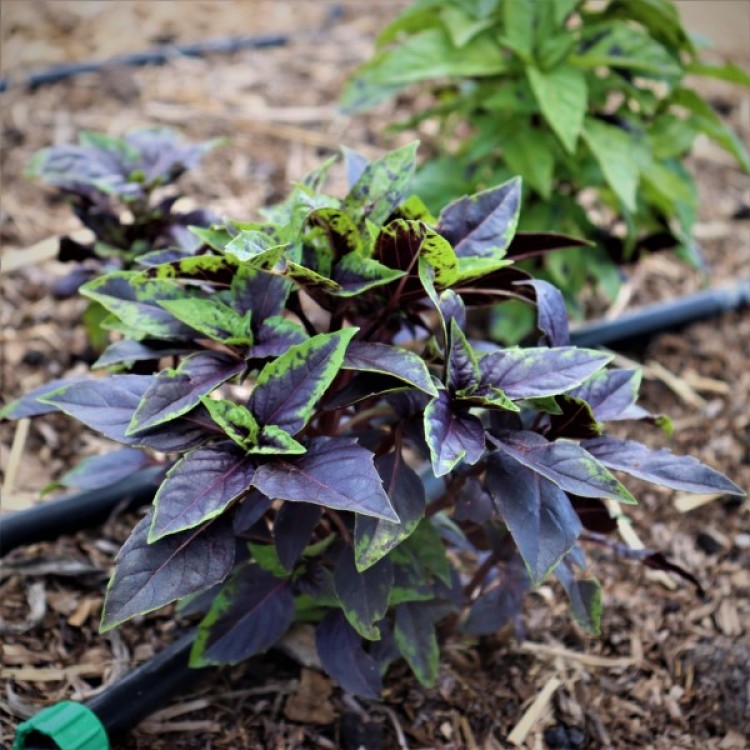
(343, 657)
(534, 373)
(148, 576)
(374, 538)
(200, 486)
(565, 463)
(175, 392)
(288, 388)
(334, 473)
(536, 511)
(660, 466)
(363, 595)
(452, 434)
(390, 360)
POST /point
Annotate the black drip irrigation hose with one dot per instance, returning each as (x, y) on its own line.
(156, 56)
(114, 712)
(75, 512)
(637, 327)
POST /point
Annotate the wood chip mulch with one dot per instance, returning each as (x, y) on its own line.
(669, 671)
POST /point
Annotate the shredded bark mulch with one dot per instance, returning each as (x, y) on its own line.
(671, 669)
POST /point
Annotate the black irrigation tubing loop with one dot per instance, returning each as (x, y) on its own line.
(638, 326)
(156, 56)
(78, 511)
(114, 712)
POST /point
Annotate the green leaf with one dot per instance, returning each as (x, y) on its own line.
(213, 318)
(671, 136)
(727, 72)
(355, 274)
(236, 420)
(427, 55)
(519, 28)
(562, 97)
(215, 238)
(461, 27)
(261, 250)
(613, 149)
(416, 640)
(268, 559)
(530, 153)
(275, 441)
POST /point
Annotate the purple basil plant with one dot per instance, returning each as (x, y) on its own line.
(346, 450)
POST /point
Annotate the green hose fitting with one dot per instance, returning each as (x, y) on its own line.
(70, 725)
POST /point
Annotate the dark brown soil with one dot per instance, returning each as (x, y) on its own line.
(670, 670)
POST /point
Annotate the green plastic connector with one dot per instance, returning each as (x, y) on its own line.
(70, 725)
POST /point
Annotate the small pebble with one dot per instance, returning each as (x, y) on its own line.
(706, 543)
(563, 737)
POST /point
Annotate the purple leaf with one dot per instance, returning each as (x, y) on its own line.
(355, 164)
(181, 434)
(483, 225)
(288, 388)
(106, 405)
(565, 463)
(250, 511)
(537, 512)
(264, 294)
(594, 514)
(274, 337)
(175, 392)
(463, 369)
(251, 614)
(452, 434)
(552, 317)
(137, 351)
(343, 657)
(148, 576)
(373, 537)
(199, 487)
(585, 595)
(576, 421)
(416, 640)
(501, 604)
(29, 406)
(292, 529)
(101, 471)
(335, 473)
(533, 373)
(660, 466)
(363, 595)
(611, 394)
(366, 385)
(474, 503)
(389, 360)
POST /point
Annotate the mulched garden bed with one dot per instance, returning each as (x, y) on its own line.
(671, 670)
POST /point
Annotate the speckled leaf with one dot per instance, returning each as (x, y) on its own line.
(552, 317)
(373, 537)
(212, 318)
(416, 640)
(534, 373)
(383, 184)
(340, 229)
(258, 292)
(215, 237)
(135, 301)
(237, 421)
(610, 393)
(389, 360)
(148, 576)
(275, 441)
(452, 434)
(565, 463)
(255, 247)
(343, 657)
(251, 613)
(175, 392)
(288, 389)
(356, 274)
(106, 405)
(200, 486)
(659, 466)
(363, 595)
(334, 473)
(483, 224)
(537, 512)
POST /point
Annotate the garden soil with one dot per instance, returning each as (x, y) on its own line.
(670, 670)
